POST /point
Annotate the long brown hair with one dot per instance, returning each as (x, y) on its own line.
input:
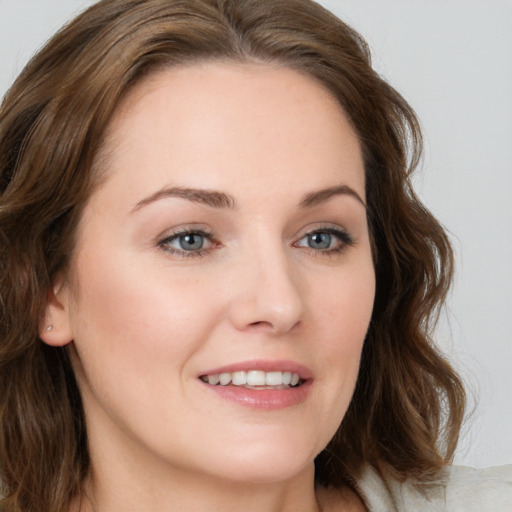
(408, 404)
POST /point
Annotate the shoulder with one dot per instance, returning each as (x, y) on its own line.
(480, 489)
(460, 489)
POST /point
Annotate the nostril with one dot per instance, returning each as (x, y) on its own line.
(265, 326)
(261, 324)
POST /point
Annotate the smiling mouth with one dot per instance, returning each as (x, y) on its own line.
(255, 379)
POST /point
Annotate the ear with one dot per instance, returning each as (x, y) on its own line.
(55, 329)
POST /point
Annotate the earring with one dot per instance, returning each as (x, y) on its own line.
(49, 328)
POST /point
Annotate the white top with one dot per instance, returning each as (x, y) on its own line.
(463, 489)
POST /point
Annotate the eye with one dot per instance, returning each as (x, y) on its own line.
(187, 243)
(190, 242)
(320, 241)
(326, 240)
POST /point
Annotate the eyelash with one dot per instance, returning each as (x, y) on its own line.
(343, 236)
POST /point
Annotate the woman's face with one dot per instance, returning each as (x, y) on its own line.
(229, 241)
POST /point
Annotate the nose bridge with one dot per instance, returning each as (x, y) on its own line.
(268, 294)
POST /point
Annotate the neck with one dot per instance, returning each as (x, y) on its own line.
(192, 492)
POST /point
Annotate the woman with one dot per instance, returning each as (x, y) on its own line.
(217, 283)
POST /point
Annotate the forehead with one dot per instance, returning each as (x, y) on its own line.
(224, 119)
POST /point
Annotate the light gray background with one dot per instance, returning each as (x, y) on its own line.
(452, 60)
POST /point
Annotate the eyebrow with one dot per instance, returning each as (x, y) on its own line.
(196, 195)
(315, 198)
(217, 199)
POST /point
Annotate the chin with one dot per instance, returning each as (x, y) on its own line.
(270, 471)
(265, 461)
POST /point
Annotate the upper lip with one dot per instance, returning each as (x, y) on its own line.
(263, 365)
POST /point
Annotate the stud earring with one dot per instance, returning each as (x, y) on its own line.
(48, 328)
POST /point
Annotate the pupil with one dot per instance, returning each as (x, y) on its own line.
(320, 240)
(191, 242)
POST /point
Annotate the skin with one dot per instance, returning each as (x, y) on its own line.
(145, 318)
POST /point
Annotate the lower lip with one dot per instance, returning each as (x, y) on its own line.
(267, 399)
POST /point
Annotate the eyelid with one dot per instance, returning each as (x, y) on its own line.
(320, 227)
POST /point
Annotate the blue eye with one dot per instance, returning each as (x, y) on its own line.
(186, 243)
(319, 241)
(326, 240)
(190, 242)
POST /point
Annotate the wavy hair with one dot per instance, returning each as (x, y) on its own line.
(407, 409)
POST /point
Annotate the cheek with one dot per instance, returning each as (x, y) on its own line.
(343, 311)
(344, 305)
(130, 318)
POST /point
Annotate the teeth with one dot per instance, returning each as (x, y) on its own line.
(225, 379)
(274, 379)
(239, 378)
(213, 379)
(256, 378)
(253, 378)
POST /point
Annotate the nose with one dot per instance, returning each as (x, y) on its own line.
(267, 294)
